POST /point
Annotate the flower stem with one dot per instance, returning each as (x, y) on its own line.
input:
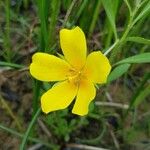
(36, 94)
(111, 47)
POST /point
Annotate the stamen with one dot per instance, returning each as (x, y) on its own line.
(75, 76)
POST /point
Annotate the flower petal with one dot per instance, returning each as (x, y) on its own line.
(97, 67)
(73, 44)
(47, 67)
(58, 97)
(86, 93)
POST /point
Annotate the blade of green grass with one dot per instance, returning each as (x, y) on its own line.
(140, 58)
(6, 35)
(95, 17)
(108, 37)
(55, 8)
(2, 63)
(111, 10)
(86, 16)
(145, 11)
(79, 12)
(138, 40)
(25, 137)
(43, 12)
(129, 6)
(141, 96)
(127, 31)
(138, 91)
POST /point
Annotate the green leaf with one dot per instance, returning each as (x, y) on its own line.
(18, 66)
(140, 58)
(55, 8)
(111, 10)
(140, 94)
(95, 17)
(141, 97)
(138, 40)
(144, 12)
(118, 72)
(26, 135)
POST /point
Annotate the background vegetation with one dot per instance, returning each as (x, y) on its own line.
(119, 118)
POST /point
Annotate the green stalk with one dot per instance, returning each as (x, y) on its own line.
(109, 50)
(7, 32)
(131, 23)
(121, 41)
(25, 137)
(36, 94)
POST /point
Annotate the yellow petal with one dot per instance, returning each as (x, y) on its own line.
(58, 97)
(73, 44)
(97, 67)
(47, 67)
(86, 93)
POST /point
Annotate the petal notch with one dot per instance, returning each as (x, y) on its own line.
(73, 44)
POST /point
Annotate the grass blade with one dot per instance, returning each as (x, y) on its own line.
(17, 66)
(79, 12)
(95, 17)
(43, 12)
(138, 40)
(140, 58)
(111, 10)
(23, 143)
(55, 8)
(144, 12)
(141, 96)
(139, 90)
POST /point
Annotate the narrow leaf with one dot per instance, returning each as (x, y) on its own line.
(55, 8)
(118, 72)
(111, 9)
(144, 12)
(18, 66)
(95, 17)
(136, 99)
(139, 40)
(141, 97)
(140, 58)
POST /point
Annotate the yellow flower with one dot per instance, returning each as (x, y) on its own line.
(77, 73)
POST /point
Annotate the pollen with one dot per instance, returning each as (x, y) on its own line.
(75, 76)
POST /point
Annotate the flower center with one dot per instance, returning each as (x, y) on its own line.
(75, 76)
